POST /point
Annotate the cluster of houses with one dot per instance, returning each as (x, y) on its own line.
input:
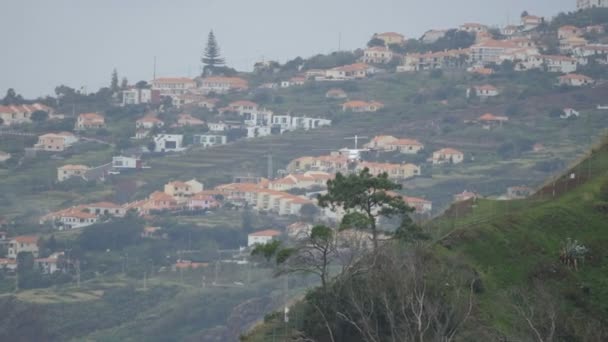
(18, 114)
(519, 47)
(28, 244)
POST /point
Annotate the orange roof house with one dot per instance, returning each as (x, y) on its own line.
(362, 106)
(221, 85)
(90, 120)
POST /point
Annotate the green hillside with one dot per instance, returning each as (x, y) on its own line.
(513, 249)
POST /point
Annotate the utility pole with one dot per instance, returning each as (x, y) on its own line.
(270, 169)
(78, 273)
(154, 71)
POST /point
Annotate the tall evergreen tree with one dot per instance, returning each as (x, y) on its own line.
(211, 56)
(114, 82)
(124, 83)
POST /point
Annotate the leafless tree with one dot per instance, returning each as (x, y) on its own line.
(408, 296)
(538, 309)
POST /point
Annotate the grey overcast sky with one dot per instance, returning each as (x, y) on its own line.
(78, 43)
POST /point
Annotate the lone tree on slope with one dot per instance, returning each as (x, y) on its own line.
(211, 56)
(114, 82)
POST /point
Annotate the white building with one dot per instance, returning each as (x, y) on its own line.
(262, 237)
(122, 162)
(489, 51)
(432, 36)
(208, 140)
(135, 96)
(377, 55)
(561, 64)
(168, 143)
(68, 171)
(171, 86)
(26, 243)
(569, 113)
(258, 131)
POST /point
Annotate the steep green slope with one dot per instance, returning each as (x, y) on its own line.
(517, 243)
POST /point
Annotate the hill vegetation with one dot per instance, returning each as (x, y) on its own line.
(532, 269)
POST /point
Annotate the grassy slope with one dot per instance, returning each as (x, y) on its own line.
(513, 242)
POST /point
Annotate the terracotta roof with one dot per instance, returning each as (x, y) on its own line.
(178, 184)
(187, 119)
(267, 232)
(416, 200)
(492, 117)
(173, 80)
(77, 213)
(356, 103)
(74, 167)
(243, 103)
(235, 82)
(336, 91)
(492, 43)
(108, 205)
(91, 116)
(27, 239)
(575, 77)
(448, 150)
(406, 142)
(160, 196)
(378, 48)
(352, 67)
(487, 87)
(390, 34)
(150, 119)
(24, 108)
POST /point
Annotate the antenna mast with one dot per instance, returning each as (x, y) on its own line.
(154, 73)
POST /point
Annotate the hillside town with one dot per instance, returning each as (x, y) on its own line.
(169, 102)
(211, 167)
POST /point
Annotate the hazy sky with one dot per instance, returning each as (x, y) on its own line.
(78, 43)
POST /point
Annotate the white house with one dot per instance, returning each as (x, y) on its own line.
(17, 114)
(105, 208)
(168, 143)
(122, 162)
(350, 72)
(561, 64)
(377, 55)
(149, 122)
(68, 171)
(489, 51)
(486, 90)
(530, 22)
(584, 4)
(569, 113)
(135, 96)
(447, 155)
(25, 243)
(223, 85)
(208, 140)
(172, 86)
(432, 36)
(258, 131)
(262, 237)
(575, 80)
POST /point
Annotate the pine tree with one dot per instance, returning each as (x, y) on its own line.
(114, 82)
(211, 55)
(124, 83)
